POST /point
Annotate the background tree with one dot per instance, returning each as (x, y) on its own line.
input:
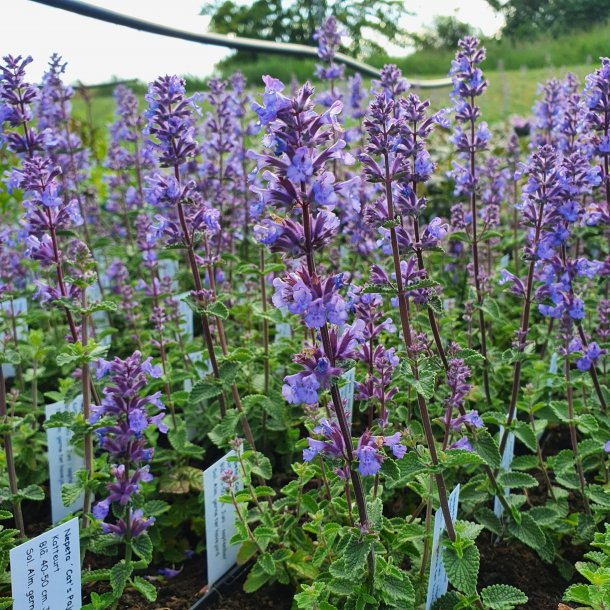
(368, 24)
(532, 18)
(443, 34)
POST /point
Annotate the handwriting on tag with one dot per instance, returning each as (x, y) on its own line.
(45, 571)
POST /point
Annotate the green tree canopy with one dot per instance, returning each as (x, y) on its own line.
(532, 18)
(368, 24)
(443, 34)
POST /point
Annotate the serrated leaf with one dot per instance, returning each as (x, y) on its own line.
(516, 480)
(204, 389)
(527, 531)
(32, 492)
(470, 357)
(485, 446)
(354, 556)
(70, 492)
(485, 516)
(246, 551)
(142, 546)
(525, 434)
(154, 508)
(119, 574)
(578, 593)
(449, 601)
(267, 564)
(219, 310)
(462, 571)
(257, 577)
(502, 597)
(145, 588)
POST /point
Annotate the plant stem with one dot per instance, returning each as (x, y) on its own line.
(88, 440)
(475, 260)
(10, 461)
(406, 331)
(573, 438)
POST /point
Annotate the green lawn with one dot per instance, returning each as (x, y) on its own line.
(510, 92)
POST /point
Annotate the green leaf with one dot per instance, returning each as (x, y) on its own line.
(525, 434)
(485, 516)
(70, 492)
(61, 419)
(142, 546)
(154, 508)
(485, 446)
(119, 574)
(470, 357)
(257, 577)
(218, 310)
(354, 555)
(449, 601)
(5, 514)
(516, 480)
(578, 594)
(454, 458)
(203, 390)
(32, 492)
(246, 551)
(267, 564)
(145, 588)
(462, 569)
(502, 597)
(527, 531)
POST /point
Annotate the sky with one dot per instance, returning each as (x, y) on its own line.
(98, 51)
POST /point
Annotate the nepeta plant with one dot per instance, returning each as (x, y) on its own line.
(127, 415)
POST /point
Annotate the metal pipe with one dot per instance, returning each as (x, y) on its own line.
(233, 42)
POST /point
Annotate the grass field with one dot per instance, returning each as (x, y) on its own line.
(510, 92)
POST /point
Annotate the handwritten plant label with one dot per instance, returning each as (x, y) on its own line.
(186, 316)
(438, 581)
(507, 460)
(63, 460)
(347, 393)
(219, 519)
(168, 267)
(13, 310)
(45, 571)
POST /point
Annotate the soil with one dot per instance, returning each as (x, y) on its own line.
(517, 565)
(185, 590)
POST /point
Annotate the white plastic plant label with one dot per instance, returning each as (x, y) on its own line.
(219, 519)
(45, 571)
(186, 316)
(168, 267)
(553, 367)
(283, 330)
(199, 371)
(438, 581)
(13, 311)
(98, 318)
(63, 460)
(346, 392)
(507, 460)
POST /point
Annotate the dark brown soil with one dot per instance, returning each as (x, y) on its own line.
(517, 565)
(186, 589)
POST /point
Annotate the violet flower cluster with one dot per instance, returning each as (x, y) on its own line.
(130, 415)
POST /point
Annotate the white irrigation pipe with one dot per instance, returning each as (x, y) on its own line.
(220, 40)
